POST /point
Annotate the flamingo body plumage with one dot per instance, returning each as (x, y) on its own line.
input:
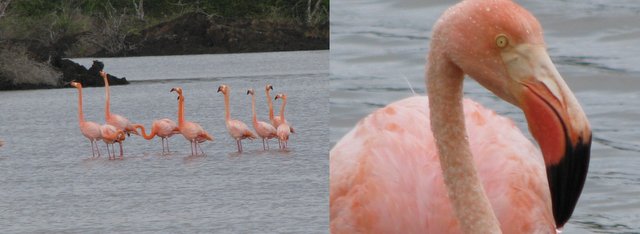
(112, 119)
(369, 160)
(90, 130)
(283, 130)
(443, 164)
(110, 136)
(237, 129)
(191, 131)
(276, 120)
(264, 130)
(163, 128)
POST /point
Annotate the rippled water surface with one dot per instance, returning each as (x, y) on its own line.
(49, 183)
(594, 44)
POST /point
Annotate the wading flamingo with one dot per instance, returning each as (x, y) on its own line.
(275, 120)
(89, 129)
(283, 130)
(163, 128)
(446, 165)
(110, 136)
(190, 130)
(237, 129)
(265, 130)
(115, 120)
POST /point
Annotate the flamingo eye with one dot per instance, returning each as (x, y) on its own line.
(502, 41)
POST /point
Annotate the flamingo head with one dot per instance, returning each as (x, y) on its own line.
(75, 84)
(178, 90)
(250, 91)
(103, 74)
(281, 96)
(224, 89)
(501, 45)
(268, 87)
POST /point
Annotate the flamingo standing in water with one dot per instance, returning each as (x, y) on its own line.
(275, 120)
(283, 130)
(237, 129)
(445, 164)
(265, 130)
(89, 129)
(110, 136)
(190, 130)
(116, 120)
(163, 128)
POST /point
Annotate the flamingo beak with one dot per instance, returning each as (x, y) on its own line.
(270, 87)
(555, 120)
(248, 92)
(219, 89)
(172, 90)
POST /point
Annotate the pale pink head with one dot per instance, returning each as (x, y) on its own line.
(501, 45)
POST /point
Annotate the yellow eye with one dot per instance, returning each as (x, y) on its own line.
(502, 41)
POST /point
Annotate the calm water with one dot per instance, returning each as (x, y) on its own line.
(48, 183)
(594, 44)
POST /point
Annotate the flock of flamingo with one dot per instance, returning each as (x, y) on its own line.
(117, 128)
(445, 164)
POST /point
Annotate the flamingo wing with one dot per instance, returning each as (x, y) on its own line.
(385, 175)
(239, 130)
(265, 130)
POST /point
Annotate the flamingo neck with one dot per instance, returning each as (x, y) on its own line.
(284, 103)
(470, 203)
(80, 113)
(253, 109)
(227, 116)
(107, 109)
(270, 102)
(143, 131)
(181, 111)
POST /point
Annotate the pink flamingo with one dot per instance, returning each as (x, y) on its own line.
(237, 129)
(110, 136)
(263, 129)
(89, 129)
(446, 165)
(190, 130)
(275, 120)
(163, 128)
(115, 120)
(283, 130)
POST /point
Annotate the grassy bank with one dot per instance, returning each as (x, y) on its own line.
(41, 31)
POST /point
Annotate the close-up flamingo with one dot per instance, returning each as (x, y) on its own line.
(110, 136)
(275, 119)
(90, 130)
(445, 164)
(264, 130)
(283, 131)
(115, 120)
(237, 129)
(163, 128)
(191, 131)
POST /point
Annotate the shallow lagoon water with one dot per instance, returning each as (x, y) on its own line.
(50, 183)
(594, 44)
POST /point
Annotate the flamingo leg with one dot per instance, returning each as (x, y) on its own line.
(168, 146)
(162, 142)
(267, 144)
(121, 155)
(93, 154)
(238, 143)
(198, 146)
(263, 147)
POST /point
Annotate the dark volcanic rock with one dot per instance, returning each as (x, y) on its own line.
(91, 77)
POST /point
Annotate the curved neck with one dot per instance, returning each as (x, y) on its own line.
(253, 109)
(107, 108)
(270, 102)
(284, 103)
(470, 203)
(143, 132)
(226, 106)
(80, 114)
(180, 110)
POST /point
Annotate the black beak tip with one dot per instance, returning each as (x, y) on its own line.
(566, 180)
